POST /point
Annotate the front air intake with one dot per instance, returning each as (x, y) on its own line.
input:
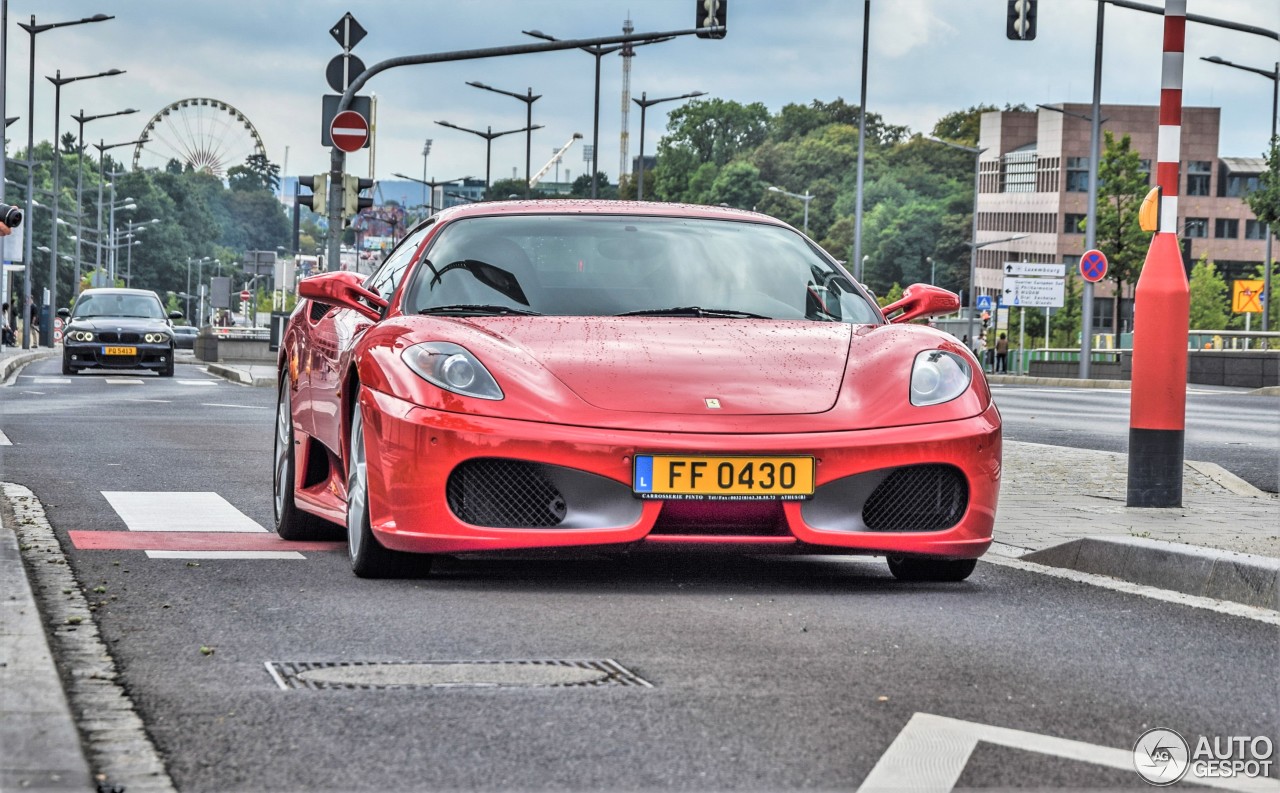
(504, 494)
(918, 498)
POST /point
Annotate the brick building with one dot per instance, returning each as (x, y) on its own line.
(1035, 179)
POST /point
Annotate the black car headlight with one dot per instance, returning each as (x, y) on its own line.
(938, 377)
(452, 368)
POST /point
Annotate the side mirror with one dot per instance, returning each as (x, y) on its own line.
(64, 312)
(343, 289)
(175, 315)
(922, 300)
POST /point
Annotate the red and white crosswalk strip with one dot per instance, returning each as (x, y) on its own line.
(185, 525)
(1169, 141)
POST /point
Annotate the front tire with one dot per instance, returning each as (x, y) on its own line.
(167, 371)
(67, 368)
(369, 558)
(906, 568)
(291, 523)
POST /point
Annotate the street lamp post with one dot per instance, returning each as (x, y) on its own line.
(82, 119)
(58, 81)
(102, 148)
(32, 31)
(433, 184)
(973, 270)
(973, 254)
(806, 198)
(130, 228)
(1274, 77)
(645, 102)
(599, 52)
(426, 149)
(488, 136)
(529, 97)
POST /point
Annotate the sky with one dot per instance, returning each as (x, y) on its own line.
(267, 60)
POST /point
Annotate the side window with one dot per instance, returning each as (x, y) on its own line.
(387, 278)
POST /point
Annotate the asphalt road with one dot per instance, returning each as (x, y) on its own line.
(767, 674)
(1229, 427)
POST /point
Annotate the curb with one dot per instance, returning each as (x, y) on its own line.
(1248, 579)
(13, 363)
(240, 376)
(1071, 382)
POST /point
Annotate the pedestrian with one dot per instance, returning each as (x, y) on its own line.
(980, 348)
(35, 325)
(7, 336)
(1002, 354)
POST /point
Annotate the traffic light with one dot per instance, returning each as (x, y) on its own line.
(318, 185)
(352, 201)
(1022, 20)
(710, 14)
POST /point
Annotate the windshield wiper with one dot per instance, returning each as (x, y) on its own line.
(467, 308)
(693, 311)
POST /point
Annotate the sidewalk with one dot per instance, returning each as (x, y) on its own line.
(1059, 506)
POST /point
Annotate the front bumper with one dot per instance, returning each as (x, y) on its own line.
(84, 355)
(412, 451)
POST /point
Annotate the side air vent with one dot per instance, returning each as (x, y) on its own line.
(918, 498)
(509, 494)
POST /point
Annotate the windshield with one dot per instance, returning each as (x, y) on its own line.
(118, 305)
(576, 265)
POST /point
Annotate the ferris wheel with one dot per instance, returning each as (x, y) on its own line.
(206, 134)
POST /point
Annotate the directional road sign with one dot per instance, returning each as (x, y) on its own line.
(347, 32)
(1035, 268)
(1093, 266)
(350, 131)
(340, 71)
(1245, 296)
(1034, 292)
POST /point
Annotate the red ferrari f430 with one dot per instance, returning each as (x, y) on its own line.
(615, 375)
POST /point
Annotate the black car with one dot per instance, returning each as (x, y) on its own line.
(185, 336)
(118, 329)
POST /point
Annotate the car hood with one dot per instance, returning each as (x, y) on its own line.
(678, 365)
(119, 324)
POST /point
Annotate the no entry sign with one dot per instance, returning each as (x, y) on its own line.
(350, 131)
(1093, 266)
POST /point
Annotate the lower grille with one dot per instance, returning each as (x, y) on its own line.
(504, 494)
(918, 498)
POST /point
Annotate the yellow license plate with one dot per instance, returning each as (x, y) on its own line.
(119, 350)
(722, 478)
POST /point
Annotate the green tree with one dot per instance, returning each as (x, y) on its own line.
(962, 126)
(257, 173)
(1122, 184)
(1265, 201)
(582, 186)
(703, 131)
(1209, 297)
(737, 185)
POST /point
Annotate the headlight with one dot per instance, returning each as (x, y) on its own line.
(938, 377)
(452, 368)
(80, 335)
(155, 338)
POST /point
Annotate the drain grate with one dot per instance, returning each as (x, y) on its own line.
(546, 673)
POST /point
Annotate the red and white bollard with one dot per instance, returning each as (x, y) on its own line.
(1162, 303)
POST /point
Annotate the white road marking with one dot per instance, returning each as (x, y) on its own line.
(33, 393)
(932, 751)
(134, 399)
(121, 381)
(225, 555)
(245, 407)
(4, 439)
(1004, 557)
(196, 382)
(142, 511)
(52, 380)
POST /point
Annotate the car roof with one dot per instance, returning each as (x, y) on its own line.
(603, 207)
(108, 290)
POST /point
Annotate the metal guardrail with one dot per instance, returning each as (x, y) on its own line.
(239, 333)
